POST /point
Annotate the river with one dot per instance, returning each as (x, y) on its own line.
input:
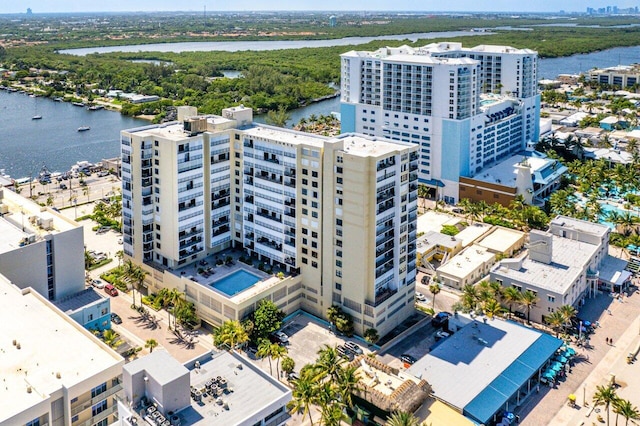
(26, 144)
(261, 45)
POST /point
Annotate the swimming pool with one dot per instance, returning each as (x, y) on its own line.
(235, 282)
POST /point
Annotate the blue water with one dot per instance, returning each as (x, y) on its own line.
(236, 282)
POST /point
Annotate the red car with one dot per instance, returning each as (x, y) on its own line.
(110, 290)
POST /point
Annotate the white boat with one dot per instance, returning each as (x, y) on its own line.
(83, 128)
(36, 117)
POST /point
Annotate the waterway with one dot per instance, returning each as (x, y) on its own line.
(261, 45)
(26, 144)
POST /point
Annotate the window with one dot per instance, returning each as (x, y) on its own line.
(338, 286)
(314, 234)
(551, 299)
(314, 215)
(314, 174)
(314, 264)
(34, 422)
(338, 222)
(305, 231)
(304, 260)
(98, 408)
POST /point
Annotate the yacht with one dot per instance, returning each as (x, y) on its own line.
(83, 128)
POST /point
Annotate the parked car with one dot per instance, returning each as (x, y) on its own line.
(344, 352)
(441, 335)
(110, 290)
(420, 297)
(353, 347)
(63, 186)
(280, 337)
(115, 318)
(103, 173)
(520, 315)
(407, 359)
(97, 284)
(120, 240)
(440, 319)
(293, 376)
(103, 229)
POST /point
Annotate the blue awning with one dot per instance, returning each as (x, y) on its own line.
(502, 388)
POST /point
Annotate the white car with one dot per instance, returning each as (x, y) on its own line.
(281, 337)
(97, 284)
(420, 297)
(353, 347)
(441, 335)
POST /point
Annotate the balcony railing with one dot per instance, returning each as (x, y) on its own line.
(91, 402)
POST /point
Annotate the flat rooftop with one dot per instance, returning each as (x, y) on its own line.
(472, 232)
(612, 270)
(567, 262)
(159, 365)
(253, 390)
(284, 135)
(501, 239)
(50, 343)
(464, 263)
(434, 221)
(25, 218)
(580, 225)
(469, 362)
(79, 300)
(431, 239)
(504, 173)
(368, 146)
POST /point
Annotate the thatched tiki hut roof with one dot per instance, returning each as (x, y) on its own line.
(408, 396)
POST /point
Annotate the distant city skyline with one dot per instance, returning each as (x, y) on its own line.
(47, 6)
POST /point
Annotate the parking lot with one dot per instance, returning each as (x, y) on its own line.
(306, 337)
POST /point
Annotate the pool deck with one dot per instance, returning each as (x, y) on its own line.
(216, 273)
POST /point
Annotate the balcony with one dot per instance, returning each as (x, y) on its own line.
(274, 218)
(269, 244)
(272, 178)
(182, 235)
(381, 297)
(383, 207)
(385, 259)
(100, 397)
(290, 182)
(385, 195)
(188, 243)
(385, 238)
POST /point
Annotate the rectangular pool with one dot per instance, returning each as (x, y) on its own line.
(235, 282)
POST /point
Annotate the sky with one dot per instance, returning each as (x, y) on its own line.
(58, 6)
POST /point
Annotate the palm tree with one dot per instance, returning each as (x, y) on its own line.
(303, 396)
(137, 275)
(348, 384)
(264, 351)
(402, 418)
(151, 343)
(434, 289)
(230, 334)
(288, 364)
(567, 312)
(555, 320)
(528, 299)
(277, 352)
(491, 308)
(625, 408)
(423, 193)
(511, 295)
(332, 414)
(111, 338)
(605, 395)
(329, 363)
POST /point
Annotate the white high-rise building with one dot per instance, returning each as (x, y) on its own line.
(467, 108)
(337, 214)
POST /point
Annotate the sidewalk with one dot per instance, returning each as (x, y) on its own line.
(627, 376)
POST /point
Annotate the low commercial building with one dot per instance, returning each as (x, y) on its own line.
(534, 176)
(466, 268)
(220, 389)
(503, 241)
(612, 156)
(435, 247)
(88, 309)
(486, 366)
(561, 266)
(621, 75)
(40, 248)
(54, 372)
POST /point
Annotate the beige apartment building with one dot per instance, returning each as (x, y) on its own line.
(337, 216)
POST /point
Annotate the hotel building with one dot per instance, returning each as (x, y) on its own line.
(466, 108)
(337, 215)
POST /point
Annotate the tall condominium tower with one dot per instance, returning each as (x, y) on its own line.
(467, 108)
(338, 215)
